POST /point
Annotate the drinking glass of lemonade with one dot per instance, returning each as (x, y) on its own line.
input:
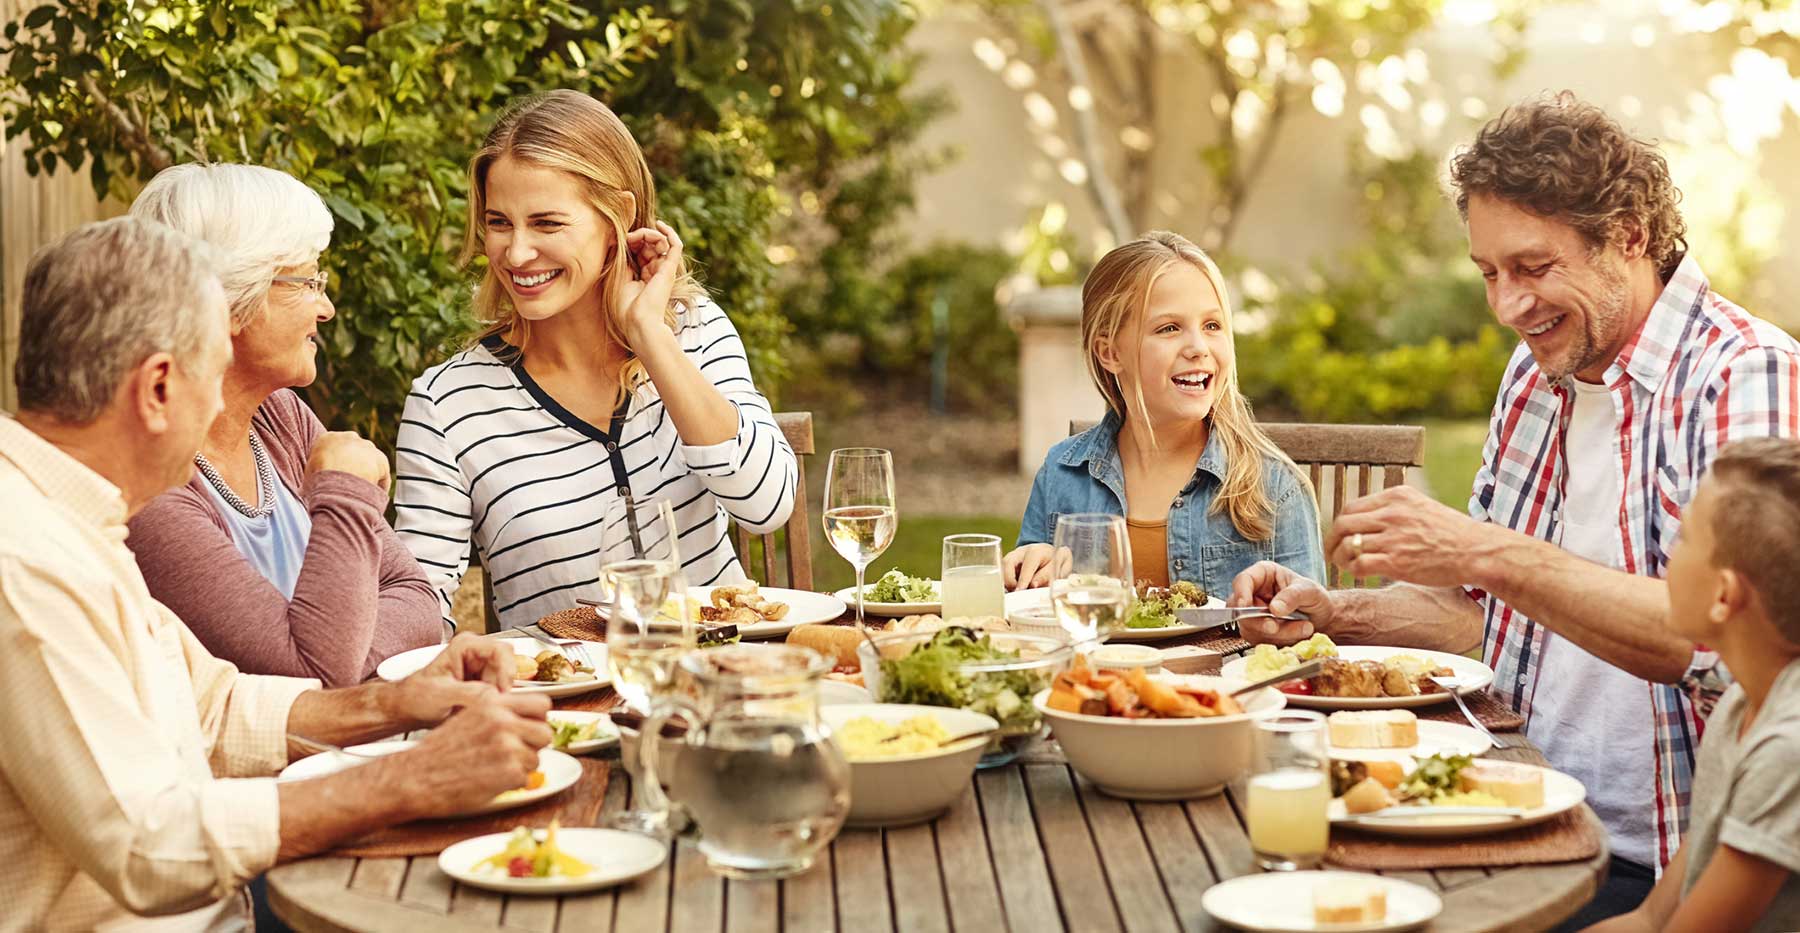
(972, 584)
(1091, 590)
(1290, 791)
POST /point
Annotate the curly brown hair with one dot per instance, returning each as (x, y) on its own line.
(1566, 159)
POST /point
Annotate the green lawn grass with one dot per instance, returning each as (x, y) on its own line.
(1452, 455)
(918, 548)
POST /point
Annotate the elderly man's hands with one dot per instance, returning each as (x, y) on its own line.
(1402, 534)
(469, 668)
(488, 747)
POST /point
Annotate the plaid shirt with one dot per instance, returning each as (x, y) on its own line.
(1702, 372)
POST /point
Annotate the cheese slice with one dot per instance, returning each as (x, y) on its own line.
(1518, 785)
(1349, 900)
(1374, 728)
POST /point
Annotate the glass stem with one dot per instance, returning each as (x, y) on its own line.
(860, 568)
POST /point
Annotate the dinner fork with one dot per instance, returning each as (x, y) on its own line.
(559, 647)
(1450, 684)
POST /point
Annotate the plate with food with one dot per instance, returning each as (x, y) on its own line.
(1448, 796)
(559, 673)
(763, 611)
(1305, 901)
(1152, 616)
(556, 772)
(1397, 735)
(897, 594)
(578, 733)
(1362, 676)
(551, 861)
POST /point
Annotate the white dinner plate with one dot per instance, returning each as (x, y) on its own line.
(1435, 738)
(560, 772)
(803, 607)
(837, 693)
(890, 610)
(1281, 902)
(1040, 596)
(1561, 794)
(606, 736)
(407, 663)
(1474, 675)
(614, 855)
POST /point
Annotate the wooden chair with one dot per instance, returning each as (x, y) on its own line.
(1329, 453)
(753, 550)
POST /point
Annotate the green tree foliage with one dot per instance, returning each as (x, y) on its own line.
(378, 104)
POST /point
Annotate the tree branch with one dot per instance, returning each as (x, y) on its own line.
(1100, 184)
(134, 135)
(1258, 161)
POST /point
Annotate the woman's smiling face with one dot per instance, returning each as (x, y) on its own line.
(1184, 352)
(545, 242)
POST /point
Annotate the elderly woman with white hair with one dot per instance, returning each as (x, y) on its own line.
(277, 553)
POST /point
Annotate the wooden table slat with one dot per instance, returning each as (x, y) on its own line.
(427, 886)
(1137, 887)
(1185, 872)
(970, 889)
(524, 912)
(476, 904)
(643, 904)
(1018, 858)
(700, 908)
(1069, 848)
(1531, 897)
(753, 906)
(1222, 836)
(915, 880)
(808, 900)
(379, 877)
(1448, 878)
(862, 882)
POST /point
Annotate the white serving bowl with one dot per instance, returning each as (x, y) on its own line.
(909, 788)
(1163, 759)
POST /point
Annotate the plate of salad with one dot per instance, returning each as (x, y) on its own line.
(578, 732)
(991, 673)
(1152, 617)
(896, 594)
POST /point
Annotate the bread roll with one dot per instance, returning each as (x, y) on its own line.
(836, 642)
(1518, 785)
(1349, 899)
(1374, 728)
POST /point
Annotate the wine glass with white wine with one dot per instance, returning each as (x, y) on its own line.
(1092, 589)
(860, 518)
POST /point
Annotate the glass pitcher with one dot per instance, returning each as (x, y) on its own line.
(756, 770)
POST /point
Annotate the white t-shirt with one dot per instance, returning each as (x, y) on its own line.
(1594, 721)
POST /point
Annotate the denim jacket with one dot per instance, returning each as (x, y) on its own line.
(1083, 474)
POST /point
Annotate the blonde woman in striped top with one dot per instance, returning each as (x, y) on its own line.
(604, 373)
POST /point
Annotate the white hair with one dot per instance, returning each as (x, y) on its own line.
(257, 219)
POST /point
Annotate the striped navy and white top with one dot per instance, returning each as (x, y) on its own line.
(486, 455)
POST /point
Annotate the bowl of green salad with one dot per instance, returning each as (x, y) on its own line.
(992, 673)
(897, 594)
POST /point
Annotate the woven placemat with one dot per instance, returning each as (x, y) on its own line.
(577, 806)
(580, 622)
(1493, 714)
(1570, 837)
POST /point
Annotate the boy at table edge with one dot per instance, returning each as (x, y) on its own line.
(136, 786)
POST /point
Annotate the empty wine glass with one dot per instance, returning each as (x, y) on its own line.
(859, 513)
(1092, 589)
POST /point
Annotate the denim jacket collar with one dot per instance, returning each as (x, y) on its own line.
(1099, 452)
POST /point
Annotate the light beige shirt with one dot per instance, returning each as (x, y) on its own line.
(135, 763)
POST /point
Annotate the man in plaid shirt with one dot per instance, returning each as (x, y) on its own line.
(1631, 375)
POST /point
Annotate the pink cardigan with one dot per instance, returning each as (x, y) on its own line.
(360, 596)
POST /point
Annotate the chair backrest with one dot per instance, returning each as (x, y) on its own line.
(1329, 453)
(757, 552)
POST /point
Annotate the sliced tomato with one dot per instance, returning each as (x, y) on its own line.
(1302, 688)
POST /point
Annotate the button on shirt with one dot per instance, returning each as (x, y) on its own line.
(134, 763)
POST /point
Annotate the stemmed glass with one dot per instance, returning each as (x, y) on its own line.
(648, 626)
(1091, 591)
(860, 519)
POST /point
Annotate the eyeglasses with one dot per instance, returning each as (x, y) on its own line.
(315, 284)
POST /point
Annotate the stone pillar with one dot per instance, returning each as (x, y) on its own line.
(1053, 381)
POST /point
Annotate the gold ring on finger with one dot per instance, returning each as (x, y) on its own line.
(1356, 546)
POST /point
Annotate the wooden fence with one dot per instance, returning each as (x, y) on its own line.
(33, 212)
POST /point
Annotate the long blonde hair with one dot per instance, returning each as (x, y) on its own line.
(571, 132)
(1114, 300)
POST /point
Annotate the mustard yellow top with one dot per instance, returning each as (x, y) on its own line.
(1149, 551)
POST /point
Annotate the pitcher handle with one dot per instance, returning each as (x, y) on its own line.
(650, 747)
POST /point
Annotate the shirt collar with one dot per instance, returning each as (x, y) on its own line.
(61, 478)
(1099, 449)
(1651, 353)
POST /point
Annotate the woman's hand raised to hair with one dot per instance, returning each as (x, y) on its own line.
(643, 297)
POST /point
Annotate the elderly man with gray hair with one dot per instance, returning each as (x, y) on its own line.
(276, 549)
(134, 765)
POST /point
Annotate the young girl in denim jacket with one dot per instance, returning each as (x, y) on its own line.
(1204, 493)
